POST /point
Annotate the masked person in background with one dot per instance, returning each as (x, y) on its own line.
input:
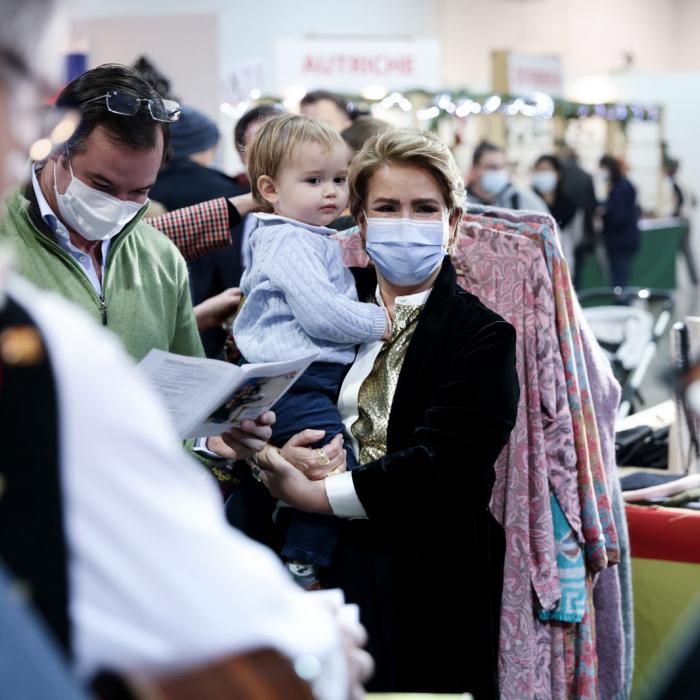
(489, 182)
(428, 412)
(620, 218)
(548, 182)
(578, 186)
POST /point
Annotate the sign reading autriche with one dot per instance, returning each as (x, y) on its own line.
(350, 65)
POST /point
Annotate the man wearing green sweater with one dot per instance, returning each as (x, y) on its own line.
(76, 227)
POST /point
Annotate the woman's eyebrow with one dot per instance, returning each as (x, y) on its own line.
(385, 200)
(428, 200)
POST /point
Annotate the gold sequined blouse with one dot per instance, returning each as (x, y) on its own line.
(376, 392)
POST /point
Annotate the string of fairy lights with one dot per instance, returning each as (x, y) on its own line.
(536, 105)
(431, 107)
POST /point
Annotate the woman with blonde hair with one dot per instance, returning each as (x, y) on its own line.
(428, 412)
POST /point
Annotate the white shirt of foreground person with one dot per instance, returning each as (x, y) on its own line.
(157, 578)
(340, 488)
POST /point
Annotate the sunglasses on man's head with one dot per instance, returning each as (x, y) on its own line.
(127, 105)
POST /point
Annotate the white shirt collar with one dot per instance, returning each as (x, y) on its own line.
(417, 299)
(324, 230)
(63, 237)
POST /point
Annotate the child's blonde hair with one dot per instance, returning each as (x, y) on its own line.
(276, 142)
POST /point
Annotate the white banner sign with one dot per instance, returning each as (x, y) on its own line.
(528, 74)
(350, 66)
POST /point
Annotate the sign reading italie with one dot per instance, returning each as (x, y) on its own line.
(348, 66)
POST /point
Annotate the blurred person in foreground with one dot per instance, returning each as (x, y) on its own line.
(620, 221)
(118, 538)
(490, 185)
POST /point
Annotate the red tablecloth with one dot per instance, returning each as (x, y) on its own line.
(669, 534)
(665, 544)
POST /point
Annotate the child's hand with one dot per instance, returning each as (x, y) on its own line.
(389, 325)
(315, 464)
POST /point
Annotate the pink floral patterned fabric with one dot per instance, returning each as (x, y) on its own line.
(576, 643)
(599, 532)
(496, 266)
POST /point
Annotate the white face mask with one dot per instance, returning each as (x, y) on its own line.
(494, 181)
(95, 215)
(545, 181)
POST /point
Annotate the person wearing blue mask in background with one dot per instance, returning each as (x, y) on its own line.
(548, 182)
(620, 218)
(489, 182)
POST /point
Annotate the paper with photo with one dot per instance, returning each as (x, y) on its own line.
(208, 397)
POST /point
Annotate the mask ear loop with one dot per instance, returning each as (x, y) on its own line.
(66, 156)
(70, 170)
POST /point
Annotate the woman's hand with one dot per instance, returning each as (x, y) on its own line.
(245, 441)
(316, 464)
(287, 483)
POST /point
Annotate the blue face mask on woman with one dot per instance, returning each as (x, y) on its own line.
(406, 251)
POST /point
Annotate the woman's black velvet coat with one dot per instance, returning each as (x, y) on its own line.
(426, 566)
